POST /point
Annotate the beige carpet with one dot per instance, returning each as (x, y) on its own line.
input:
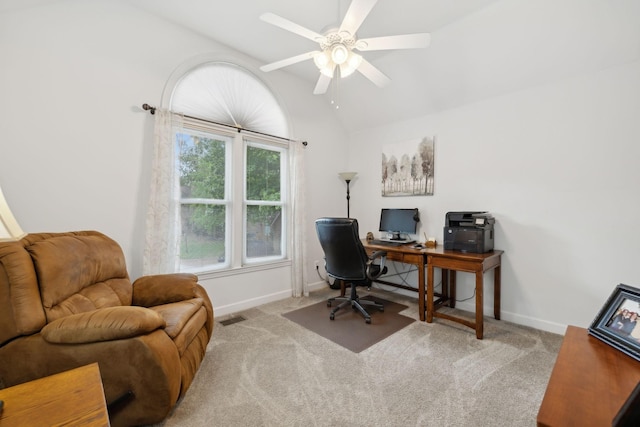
(270, 371)
(349, 329)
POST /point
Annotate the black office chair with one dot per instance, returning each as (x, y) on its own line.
(346, 260)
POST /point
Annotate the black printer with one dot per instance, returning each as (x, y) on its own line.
(469, 231)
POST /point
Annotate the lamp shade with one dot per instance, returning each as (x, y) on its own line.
(9, 228)
(347, 176)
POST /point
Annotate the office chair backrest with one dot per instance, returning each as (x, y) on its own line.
(345, 257)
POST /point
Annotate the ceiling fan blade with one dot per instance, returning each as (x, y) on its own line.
(285, 24)
(373, 74)
(407, 41)
(356, 14)
(322, 85)
(289, 61)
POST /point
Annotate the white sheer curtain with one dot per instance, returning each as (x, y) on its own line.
(299, 238)
(163, 225)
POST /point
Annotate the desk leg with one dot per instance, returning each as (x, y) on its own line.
(430, 291)
(444, 294)
(452, 289)
(421, 289)
(479, 304)
(496, 292)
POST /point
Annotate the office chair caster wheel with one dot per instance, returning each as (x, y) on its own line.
(367, 321)
(332, 316)
(328, 303)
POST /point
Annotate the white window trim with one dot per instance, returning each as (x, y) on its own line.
(235, 194)
(283, 203)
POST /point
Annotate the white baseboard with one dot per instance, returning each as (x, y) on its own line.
(519, 319)
(225, 310)
(317, 286)
(250, 303)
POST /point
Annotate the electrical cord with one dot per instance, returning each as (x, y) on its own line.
(326, 279)
(403, 274)
(403, 277)
(466, 299)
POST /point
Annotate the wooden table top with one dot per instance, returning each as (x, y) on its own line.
(71, 398)
(589, 382)
(437, 251)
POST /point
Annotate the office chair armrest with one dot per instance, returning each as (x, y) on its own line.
(375, 255)
(378, 254)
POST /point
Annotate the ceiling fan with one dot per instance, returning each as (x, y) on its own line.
(336, 54)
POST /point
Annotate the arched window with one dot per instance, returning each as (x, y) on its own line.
(226, 93)
(234, 195)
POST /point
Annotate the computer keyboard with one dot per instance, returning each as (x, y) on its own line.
(390, 242)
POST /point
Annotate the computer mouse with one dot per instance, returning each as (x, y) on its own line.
(418, 246)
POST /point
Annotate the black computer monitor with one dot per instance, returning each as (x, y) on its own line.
(397, 222)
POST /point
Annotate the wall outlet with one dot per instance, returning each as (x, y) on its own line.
(317, 263)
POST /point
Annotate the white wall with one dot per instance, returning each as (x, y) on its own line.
(76, 146)
(557, 167)
(556, 164)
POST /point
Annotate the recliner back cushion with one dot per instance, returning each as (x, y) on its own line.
(80, 272)
(21, 311)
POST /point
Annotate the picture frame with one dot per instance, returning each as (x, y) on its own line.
(408, 168)
(618, 322)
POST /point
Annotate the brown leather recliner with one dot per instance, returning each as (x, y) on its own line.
(66, 301)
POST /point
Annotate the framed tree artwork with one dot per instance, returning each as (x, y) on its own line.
(407, 168)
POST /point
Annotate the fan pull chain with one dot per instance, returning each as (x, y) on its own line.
(335, 98)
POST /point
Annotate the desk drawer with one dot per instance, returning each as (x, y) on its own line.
(407, 258)
(416, 259)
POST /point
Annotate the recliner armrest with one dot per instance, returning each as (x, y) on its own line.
(149, 291)
(104, 324)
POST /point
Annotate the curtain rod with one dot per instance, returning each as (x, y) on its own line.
(152, 111)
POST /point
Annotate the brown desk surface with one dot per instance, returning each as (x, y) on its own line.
(71, 398)
(438, 251)
(589, 382)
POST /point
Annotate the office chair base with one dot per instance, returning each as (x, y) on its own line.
(356, 303)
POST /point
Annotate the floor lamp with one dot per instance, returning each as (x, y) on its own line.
(347, 177)
(9, 228)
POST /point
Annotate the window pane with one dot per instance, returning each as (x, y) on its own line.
(202, 242)
(264, 231)
(263, 174)
(202, 166)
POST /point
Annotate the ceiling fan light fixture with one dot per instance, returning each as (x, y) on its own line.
(351, 65)
(327, 70)
(336, 57)
(339, 53)
(322, 59)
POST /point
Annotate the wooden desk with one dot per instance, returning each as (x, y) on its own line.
(589, 382)
(71, 398)
(449, 262)
(407, 255)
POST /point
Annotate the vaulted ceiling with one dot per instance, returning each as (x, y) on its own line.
(479, 48)
(237, 24)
